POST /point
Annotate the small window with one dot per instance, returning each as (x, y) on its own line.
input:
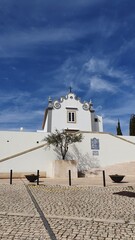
(71, 116)
(96, 119)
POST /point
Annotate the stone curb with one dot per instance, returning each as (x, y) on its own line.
(19, 214)
(120, 221)
(70, 218)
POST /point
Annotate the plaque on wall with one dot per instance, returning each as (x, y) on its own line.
(95, 153)
(95, 143)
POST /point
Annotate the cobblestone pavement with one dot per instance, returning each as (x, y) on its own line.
(60, 212)
(19, 218)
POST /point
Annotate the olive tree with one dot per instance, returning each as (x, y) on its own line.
(62, 140)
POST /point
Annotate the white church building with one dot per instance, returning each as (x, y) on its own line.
(70, 113)
(25, 152)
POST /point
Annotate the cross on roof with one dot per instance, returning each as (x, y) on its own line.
(70, 89)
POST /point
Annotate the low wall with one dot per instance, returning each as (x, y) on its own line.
(121, 168)
(16, 175)
(62, 167)
(109, 150)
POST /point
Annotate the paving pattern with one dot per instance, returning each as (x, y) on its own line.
(60, 212)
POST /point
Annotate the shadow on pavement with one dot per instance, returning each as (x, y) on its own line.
(126, 193)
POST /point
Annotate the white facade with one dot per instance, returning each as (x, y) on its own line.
(28, 152)
(70, 113)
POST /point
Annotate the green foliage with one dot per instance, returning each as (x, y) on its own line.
(119, 132)
(62, 140)
(132, 125)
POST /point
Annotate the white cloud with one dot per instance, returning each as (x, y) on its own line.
(105, 67)
(110, 124)
(13, 43)
(13, 97)
(128, 45)
(126, 106)
(94, 65)
(17, 116)
(110, 121)
(98, 84)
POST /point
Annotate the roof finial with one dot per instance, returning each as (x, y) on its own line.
(70, 89)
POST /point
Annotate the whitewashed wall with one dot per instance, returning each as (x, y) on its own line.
(16, 142)
(112, 150)
(84, 120)
(59, 116)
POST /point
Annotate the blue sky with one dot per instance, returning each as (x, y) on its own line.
(48, 45)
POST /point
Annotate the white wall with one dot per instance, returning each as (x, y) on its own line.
(84, 120)
(59, 116)
(100, 123)
(112, 150)
(16, 142)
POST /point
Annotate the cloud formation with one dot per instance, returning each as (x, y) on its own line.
(86, 44)
(98, 84)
